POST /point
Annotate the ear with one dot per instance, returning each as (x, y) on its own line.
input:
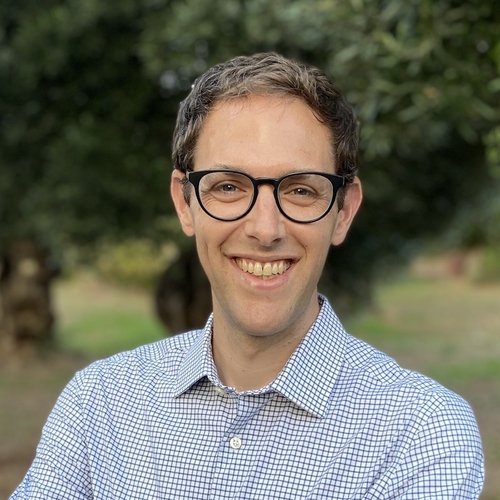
(352, 201)
(181, 206)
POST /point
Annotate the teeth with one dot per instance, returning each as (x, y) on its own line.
(266, 270)
(257, 269)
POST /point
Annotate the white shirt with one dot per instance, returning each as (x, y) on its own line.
(341, 421)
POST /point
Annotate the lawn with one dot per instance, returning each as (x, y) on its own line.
(448, 329)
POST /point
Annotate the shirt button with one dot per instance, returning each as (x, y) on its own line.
(220, 391)
(235, 443)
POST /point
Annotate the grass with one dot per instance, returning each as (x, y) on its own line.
(107, 332)
(97, 320)
(474, 372)
(426, 323)
(446, 329)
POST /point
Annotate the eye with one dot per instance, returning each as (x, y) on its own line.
(299, 190)
(225, 187)
(302, 191)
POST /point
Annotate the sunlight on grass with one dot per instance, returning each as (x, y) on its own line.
(488, 370)
(107, 332)
(379, 333)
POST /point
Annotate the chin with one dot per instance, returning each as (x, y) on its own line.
(263, 325)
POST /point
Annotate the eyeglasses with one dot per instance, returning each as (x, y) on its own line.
(302, 197)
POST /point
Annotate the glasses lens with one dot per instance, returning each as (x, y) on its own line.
(226, 195)
(305, 197)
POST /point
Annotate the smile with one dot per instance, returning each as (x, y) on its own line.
(264, 269)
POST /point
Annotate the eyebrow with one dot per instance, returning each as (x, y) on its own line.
(223, 166)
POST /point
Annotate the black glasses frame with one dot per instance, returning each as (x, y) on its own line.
(194, 177)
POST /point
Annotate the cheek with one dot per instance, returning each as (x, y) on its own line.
(326, 231)
(318, 244)
(211, 235)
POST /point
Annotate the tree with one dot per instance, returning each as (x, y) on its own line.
(91, 89)
(82, 129)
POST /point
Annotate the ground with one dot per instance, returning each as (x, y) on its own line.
(447, 328)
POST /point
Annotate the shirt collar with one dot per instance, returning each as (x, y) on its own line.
(198, 362)
(310, 374)
(307, 378)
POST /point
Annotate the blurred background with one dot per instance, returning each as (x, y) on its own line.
(92, 257)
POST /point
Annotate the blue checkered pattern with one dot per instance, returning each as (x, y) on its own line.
(341, 421)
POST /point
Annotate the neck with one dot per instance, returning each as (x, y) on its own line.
(249, 362)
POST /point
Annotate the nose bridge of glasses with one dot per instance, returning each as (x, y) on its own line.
(265, 216)
(266, 180)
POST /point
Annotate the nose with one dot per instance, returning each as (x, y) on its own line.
(265, 222)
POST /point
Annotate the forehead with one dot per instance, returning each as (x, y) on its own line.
(263, 133)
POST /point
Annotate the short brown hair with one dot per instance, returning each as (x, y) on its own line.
(268, 74)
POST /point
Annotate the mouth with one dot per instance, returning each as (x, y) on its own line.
(264, 270)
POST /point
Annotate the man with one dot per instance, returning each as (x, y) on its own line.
(273, 399)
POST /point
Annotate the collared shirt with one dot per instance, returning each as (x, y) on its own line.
(341, 421)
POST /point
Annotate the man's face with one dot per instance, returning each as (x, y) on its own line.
(264, 136)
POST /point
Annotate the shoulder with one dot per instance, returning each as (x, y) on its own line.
(136, 369)
(421, 421)
(376, 369)
(382, 383)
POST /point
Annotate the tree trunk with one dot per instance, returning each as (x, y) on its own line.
(26, 316)
(183, 296)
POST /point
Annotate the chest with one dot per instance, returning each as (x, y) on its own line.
(212, 445)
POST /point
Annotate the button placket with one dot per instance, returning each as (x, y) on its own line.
(247, 408)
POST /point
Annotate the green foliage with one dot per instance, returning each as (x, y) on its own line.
(83, 131)
(134, 262)
(89, 93)
(492, 142)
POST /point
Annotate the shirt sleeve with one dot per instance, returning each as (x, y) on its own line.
(443, 461)
(61, 466)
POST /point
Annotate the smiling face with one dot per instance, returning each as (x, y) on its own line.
(264, 269)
